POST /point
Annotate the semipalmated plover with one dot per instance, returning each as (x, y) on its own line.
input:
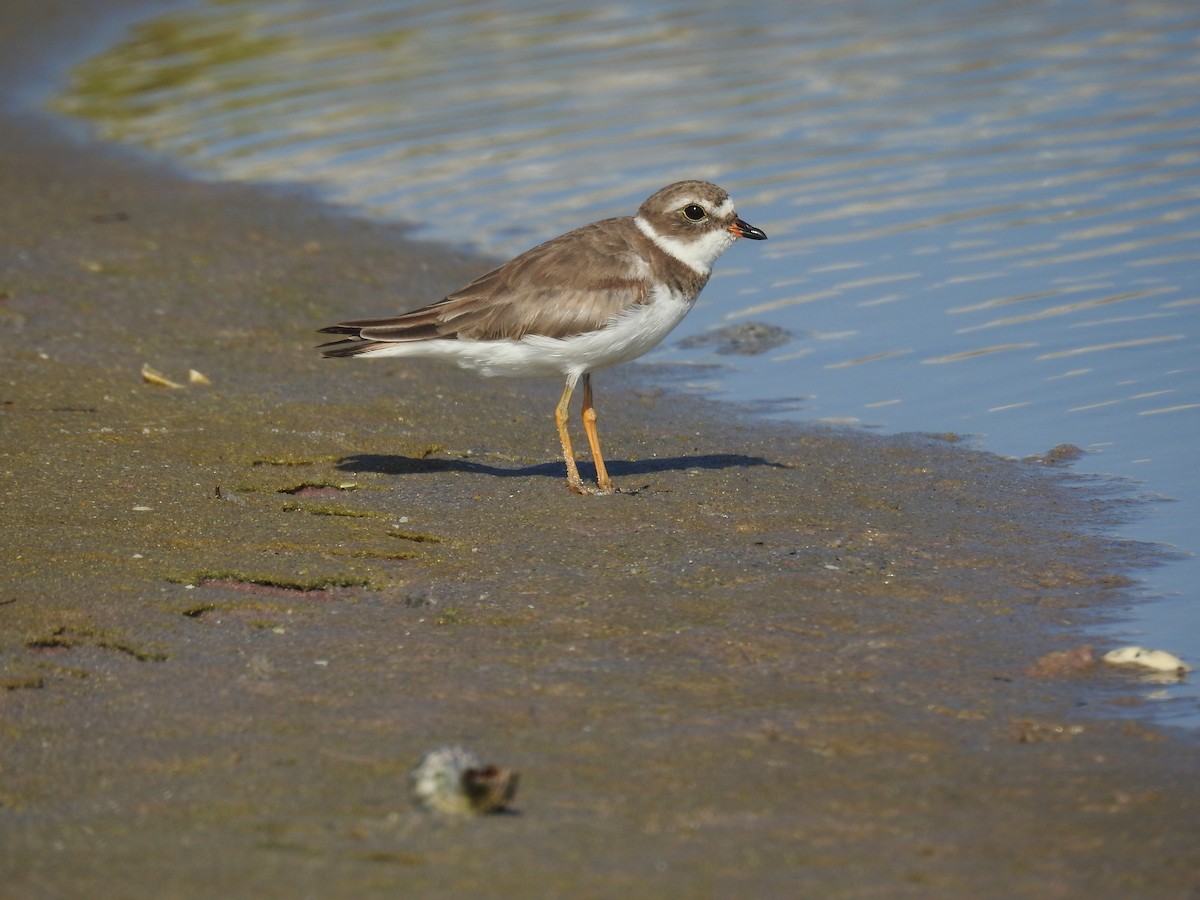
(599, 295)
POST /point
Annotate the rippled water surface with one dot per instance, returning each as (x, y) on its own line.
(983, 215)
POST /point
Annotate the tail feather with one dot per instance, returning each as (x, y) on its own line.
(349, 347)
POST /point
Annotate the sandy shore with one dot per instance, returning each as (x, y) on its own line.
(787, 662)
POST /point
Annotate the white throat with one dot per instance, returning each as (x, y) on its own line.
(698, 255)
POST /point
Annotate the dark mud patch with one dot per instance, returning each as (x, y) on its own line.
(23, 683)
(417, 537)
(318, 509)
(744, 339)
(283, 461)
(313, 490)
(274, 586)
(67, 638)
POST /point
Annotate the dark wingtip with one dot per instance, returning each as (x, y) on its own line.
(350, 347)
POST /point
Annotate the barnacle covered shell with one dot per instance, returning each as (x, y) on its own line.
(452, 781)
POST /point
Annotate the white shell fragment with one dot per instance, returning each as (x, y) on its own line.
(151, 375)
(451, 781)
(1157, 660)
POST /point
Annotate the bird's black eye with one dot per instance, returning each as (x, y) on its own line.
(694, 211)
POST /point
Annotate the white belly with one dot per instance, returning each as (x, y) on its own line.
(626, 337)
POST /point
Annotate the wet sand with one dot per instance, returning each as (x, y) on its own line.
(786, 661)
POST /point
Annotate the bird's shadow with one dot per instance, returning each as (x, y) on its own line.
(414, 465)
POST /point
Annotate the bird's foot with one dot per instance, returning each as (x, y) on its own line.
(600, 490)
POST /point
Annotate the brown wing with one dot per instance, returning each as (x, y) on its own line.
(568, 285)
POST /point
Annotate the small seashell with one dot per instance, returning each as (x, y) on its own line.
(451, 781)
(153, 376)
(195, 377)
(1158, 660)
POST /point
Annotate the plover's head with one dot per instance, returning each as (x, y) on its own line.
(693, 221)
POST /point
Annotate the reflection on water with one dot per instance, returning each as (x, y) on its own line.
(983, 215)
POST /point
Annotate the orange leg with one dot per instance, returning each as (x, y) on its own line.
(574, 482)
(603, 482)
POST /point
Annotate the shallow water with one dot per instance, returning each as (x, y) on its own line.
(983, 216)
